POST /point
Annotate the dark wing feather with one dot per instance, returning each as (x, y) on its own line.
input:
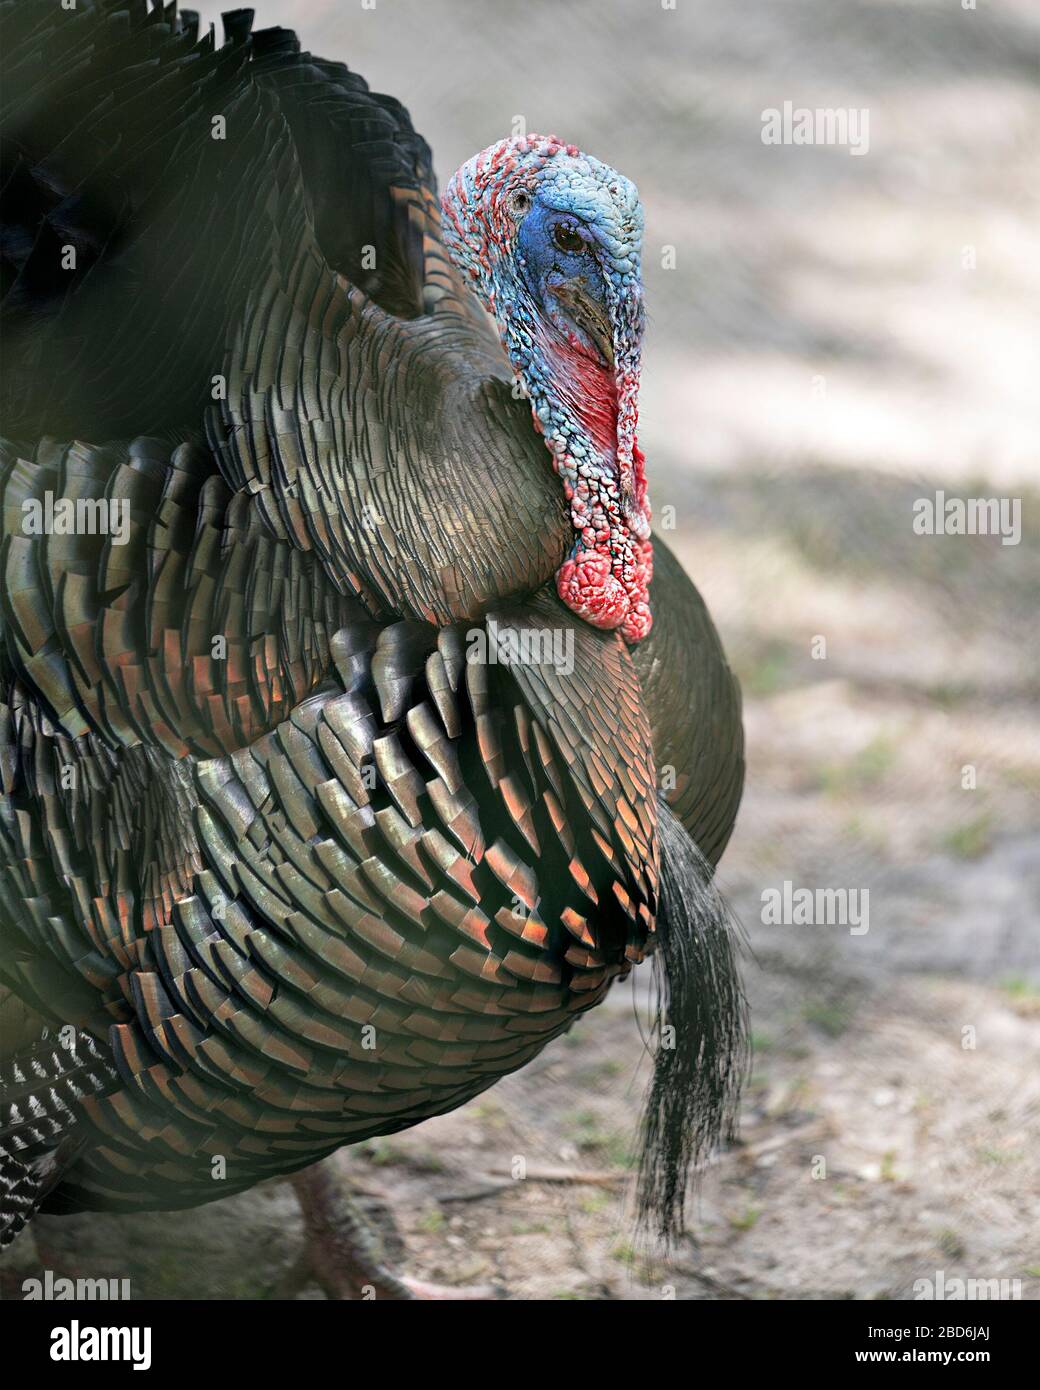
(108, 115)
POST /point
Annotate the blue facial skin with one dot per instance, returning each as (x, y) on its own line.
(550, 239)
(558, 262)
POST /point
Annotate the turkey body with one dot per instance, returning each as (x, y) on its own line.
(320, 811)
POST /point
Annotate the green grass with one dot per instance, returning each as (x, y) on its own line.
(431, 1221)
(489, 1112)
(383, 1153)
(590, 1136)
(832, 1019)
(970, 840)
(603, 1070)
(861, 773)
(1027, 777)
(766, 669)
(594, 1202)
(950, 1243)
(1018, 987)
(746, 1219)
(948, 695)
(380, 1152)
(997, 1157)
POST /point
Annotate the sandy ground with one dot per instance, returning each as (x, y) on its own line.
(890, 1129)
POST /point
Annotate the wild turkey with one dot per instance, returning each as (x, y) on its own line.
(331, 722)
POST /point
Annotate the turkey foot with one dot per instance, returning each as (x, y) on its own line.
(340, 1252)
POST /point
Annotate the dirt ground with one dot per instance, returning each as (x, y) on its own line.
(890, 1127)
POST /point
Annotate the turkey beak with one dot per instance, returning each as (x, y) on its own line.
(597, 325)
(592, 318)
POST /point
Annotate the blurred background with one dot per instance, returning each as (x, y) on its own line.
(831, 337)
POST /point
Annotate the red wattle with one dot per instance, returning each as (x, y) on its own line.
(587, 585)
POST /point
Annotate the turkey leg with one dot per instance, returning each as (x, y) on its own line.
(340, 1252)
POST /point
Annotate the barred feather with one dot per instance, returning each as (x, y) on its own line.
(41, 1090)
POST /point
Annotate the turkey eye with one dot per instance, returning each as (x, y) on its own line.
(567, 239)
